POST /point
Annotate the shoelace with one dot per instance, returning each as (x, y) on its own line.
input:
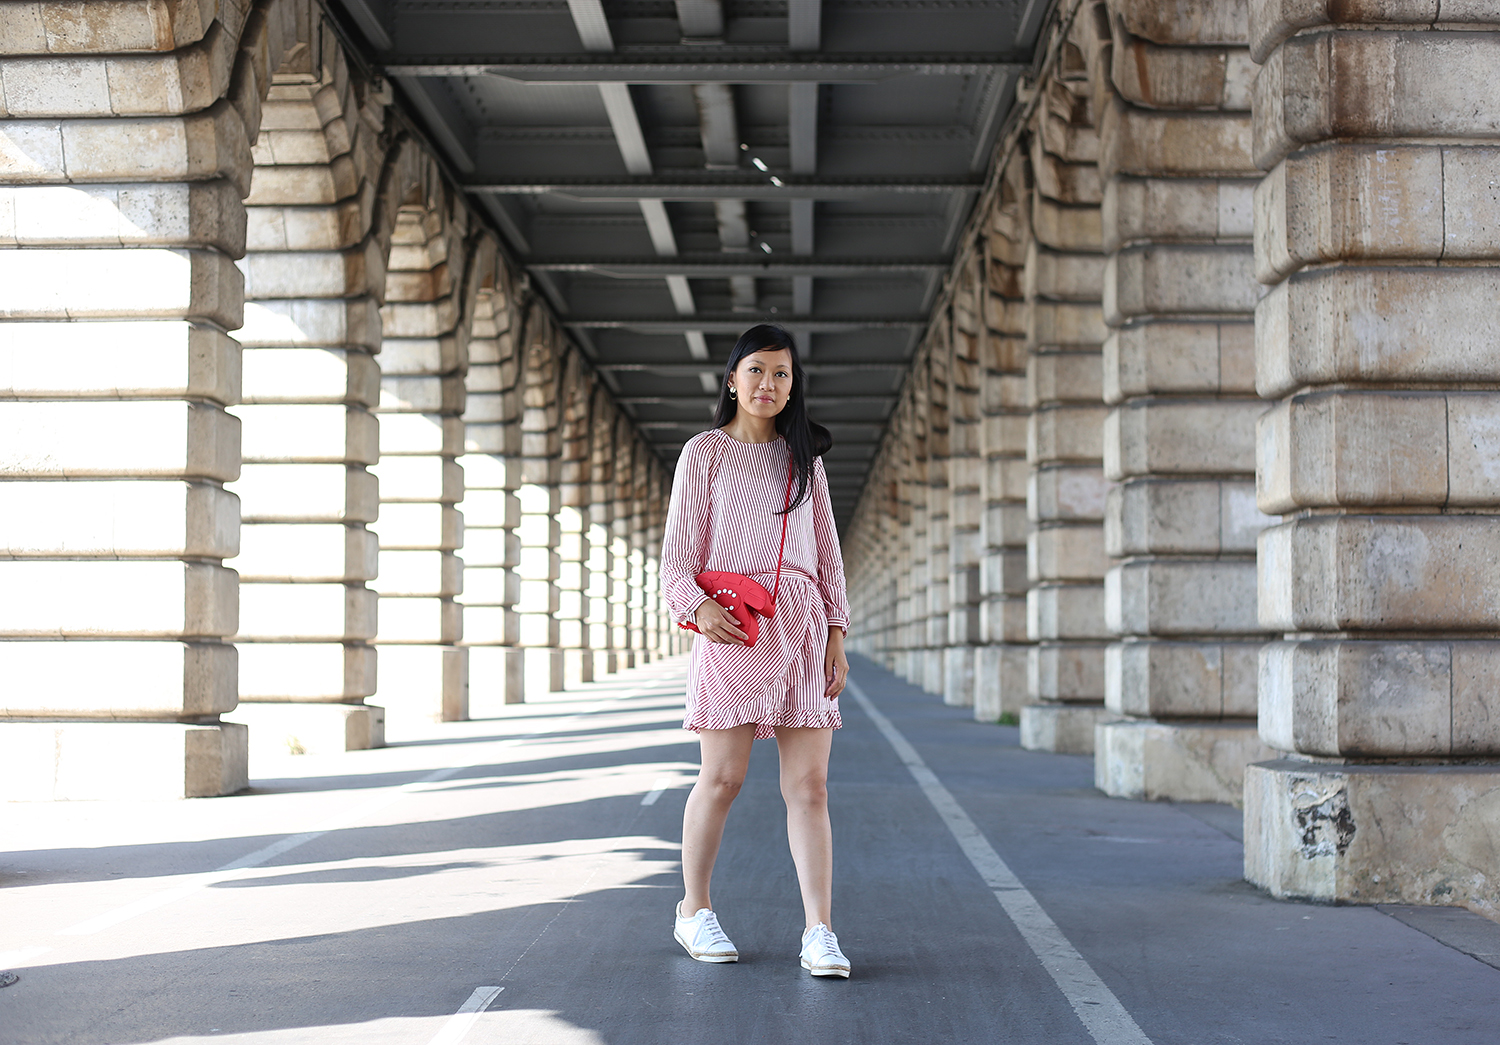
(823, 937)
(710, 926)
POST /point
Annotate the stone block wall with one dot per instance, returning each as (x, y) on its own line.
(313, 271)
(236, 299)
(492, 510)
(1062, 278)
(1376, 351)
(1179, 375)
(1001, 664)
(1273, 479)
(118, 290)
(965, 478)
(424, 355)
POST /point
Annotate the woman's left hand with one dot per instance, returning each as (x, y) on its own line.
(835, 664)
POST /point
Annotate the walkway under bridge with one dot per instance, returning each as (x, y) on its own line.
(346, 349)
(526, 864)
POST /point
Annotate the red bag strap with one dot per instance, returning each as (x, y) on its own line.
(790, 474)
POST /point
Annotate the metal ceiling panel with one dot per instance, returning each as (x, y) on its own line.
(807, 162)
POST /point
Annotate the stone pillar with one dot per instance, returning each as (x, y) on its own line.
(573, 524)
(619, 545)
(1375, 226)
(540, 503)
(883, 639)
(313, 277)
(872, 564)
(637, 560)
(1000, 677)
(492, 511)
(965, 475)
(658, 489)
(424, 674)
(601, 638)
(895, 538)
(1179, 372)
(909, 441)
(882, 595)
(935, 594)
(911, 578)
(1065, 549)
(115, 443)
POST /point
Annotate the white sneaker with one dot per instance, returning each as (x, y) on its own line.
(820, 953)
(701, 937)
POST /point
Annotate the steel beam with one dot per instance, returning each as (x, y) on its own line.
(804, 24)
(736, 323)
(717, 125)
(695, 63)
(701, 19)
(716, 266)
(680, 185)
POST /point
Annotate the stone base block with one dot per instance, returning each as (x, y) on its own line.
(546, 673)
(999, 682)
(958, 676)
(932, 671)
(496, 677)
(1375, 834)
(278, 729)
(1063, 729)
(1176, 761)
(578, 667)
(48, 761)
(420, 684)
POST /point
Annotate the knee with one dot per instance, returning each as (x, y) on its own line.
(719, 788)
(809, 790)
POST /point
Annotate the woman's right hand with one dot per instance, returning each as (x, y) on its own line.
(716, 625)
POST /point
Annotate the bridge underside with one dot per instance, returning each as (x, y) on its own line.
(346, 351)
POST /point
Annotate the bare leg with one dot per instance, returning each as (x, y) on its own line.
(804, 786)
(725, 757)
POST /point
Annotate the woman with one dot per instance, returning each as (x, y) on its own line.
(733, 486)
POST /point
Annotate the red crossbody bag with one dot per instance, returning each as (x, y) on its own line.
(741, 596)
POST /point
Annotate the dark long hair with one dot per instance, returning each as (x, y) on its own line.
(804, 438)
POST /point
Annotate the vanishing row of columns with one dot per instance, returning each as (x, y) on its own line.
(288, 455)
(1220, 356)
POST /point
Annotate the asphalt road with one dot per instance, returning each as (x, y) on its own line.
(384, 897)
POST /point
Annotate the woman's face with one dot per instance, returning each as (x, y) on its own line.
(763, 382)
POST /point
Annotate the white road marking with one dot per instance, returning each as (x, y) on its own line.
(663, 783)
(1096, 1005)
(459, 1023)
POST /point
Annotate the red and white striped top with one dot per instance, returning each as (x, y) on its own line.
(725, 497)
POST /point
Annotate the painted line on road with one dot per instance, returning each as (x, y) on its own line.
(460, 1022)
(662, 785)
(1096, 1005)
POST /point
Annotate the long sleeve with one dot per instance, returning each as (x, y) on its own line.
(830, 556)
(685, 544)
